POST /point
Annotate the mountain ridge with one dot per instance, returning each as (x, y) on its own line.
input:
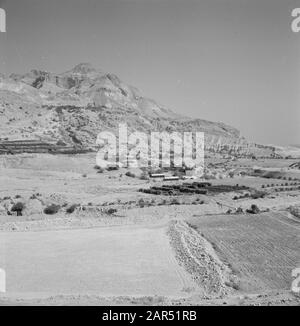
(81, 102)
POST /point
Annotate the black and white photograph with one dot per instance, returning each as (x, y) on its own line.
(149, 154)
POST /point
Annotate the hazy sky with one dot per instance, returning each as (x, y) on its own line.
(235, 61)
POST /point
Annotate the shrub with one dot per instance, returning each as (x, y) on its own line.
(99, 169)
(141, 203)
(111, 211)
(175, 201)
(258, 194)
(113, 168)
(71, 209)
(130, 174)
(18, 207)
(239, 210)
(253, 210)
(52, 209)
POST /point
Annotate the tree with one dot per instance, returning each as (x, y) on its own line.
(18, 207)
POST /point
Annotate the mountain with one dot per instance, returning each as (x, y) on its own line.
(74, 106)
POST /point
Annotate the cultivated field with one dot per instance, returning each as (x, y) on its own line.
(120, 261)
(261, 249)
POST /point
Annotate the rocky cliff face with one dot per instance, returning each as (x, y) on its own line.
(76, 105)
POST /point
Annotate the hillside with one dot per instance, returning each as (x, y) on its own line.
(74, 106)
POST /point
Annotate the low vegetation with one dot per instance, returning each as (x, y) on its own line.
(18, 208)
(71, 209)
(52, 209)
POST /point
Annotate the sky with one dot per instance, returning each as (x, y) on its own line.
(232, 61)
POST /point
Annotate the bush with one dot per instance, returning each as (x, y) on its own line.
(231, 174)
(253, 210)
(18, 207)
(71, 209)
(239, 210)
(99, 169)
(113, 168)
(52, 209)
(111, 211)
(141, 203)
(258, 194)
(130, 174)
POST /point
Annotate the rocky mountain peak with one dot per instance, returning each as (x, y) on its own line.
(83, 69)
